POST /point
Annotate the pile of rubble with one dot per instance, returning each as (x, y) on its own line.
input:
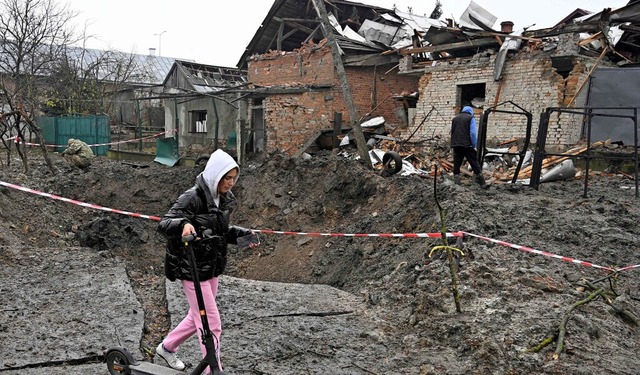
(500, 163)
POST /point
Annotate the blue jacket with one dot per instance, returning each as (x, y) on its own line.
(464, 130)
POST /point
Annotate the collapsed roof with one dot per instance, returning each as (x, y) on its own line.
(617, 30)
(193, 78)
(372, 35)
(362, 31)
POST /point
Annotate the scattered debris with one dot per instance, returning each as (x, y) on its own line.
(563, 171)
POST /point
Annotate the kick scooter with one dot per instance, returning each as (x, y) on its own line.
(121, 362)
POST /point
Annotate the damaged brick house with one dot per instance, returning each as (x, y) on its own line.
(429, 67)
(468, 63)
(296, 92)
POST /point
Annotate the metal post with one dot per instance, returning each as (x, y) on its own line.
(160, 42)
(539, 152)
(635, 144)
(337, 128)
(139, 125)
(588, 158)
(176, 120)
(215, 112)
(240, 126)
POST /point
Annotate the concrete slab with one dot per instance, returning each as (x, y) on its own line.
(273, 327)
(63, 305)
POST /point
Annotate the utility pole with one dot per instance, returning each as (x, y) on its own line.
(342, 76)
(160, 42)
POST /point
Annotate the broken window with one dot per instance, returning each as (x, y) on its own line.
(472, 94)
(198, 122)
(562, 65)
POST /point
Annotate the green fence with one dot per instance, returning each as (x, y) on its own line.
(93, 130)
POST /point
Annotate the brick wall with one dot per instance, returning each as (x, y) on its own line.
(291, 119)
(305, 66)
(528, 80)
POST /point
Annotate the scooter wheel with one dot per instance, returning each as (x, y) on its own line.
(118, 363)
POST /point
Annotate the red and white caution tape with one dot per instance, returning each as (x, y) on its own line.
(386, 235)
(539, 252)
(156, 218)
(17, 140)
(319, 234)
(627, 268)
(79, 203)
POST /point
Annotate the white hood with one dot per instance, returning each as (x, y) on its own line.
(218, 165)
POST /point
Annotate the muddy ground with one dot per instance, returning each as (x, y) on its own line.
(510, 299)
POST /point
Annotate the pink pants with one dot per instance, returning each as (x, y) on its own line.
(192, 323)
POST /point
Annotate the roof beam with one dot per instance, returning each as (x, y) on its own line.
(298, 20)
(294, 25)
(633, 28)
(451, 46)
(573, 28)
(313, 33)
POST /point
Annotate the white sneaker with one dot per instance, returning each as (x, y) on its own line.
(172, 360)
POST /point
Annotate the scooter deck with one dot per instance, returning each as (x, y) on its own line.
(148, 368)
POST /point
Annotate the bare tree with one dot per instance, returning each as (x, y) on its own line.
(89, 81)
(33, 36)
(86, 81)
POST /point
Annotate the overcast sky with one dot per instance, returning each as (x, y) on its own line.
(216, 32)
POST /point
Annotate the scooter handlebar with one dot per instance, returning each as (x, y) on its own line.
(189, 238)
(208, 233)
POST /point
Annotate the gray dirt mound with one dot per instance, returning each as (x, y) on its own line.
(511, 299)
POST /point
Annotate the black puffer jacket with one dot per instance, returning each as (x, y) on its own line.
(196, 206)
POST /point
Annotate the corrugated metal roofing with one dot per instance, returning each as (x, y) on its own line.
(114, 66)
(209, 78)
(144, 69)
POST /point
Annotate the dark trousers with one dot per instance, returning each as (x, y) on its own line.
(460, 153)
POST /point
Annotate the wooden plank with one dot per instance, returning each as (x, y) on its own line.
(514, 139)
(446, 164)
(451, 46)
(591, 27)
(309, 142)
(590, 39)
(553, 160)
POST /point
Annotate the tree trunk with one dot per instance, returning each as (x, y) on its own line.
(342, 76)
(35, 129)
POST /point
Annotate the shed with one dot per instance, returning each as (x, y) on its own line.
(202, 103)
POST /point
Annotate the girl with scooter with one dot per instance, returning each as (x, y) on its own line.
(205, 206)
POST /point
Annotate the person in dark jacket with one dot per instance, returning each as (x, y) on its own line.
(464, 139)
(207, 205)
